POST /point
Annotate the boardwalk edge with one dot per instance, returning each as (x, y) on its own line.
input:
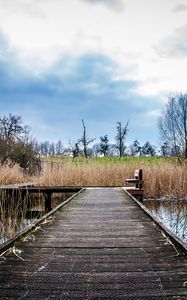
(174, 240)
(5, 246)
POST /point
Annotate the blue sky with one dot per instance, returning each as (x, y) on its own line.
(103, 61)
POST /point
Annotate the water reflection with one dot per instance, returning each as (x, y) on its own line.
(18, 211)
(13, 226)
(172, 213)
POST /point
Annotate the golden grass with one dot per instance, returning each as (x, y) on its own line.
(160, 179)
(168, 180)
(11, 174)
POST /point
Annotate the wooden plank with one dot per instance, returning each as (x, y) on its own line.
(17, 185)
(173, 238)
(42, 189)
(34, 225)
(99, 246)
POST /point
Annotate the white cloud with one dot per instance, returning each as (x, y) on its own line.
(82, 26)
(29, 7)
(174, 45)
(117, 5)
(180, 7)
(154, 113)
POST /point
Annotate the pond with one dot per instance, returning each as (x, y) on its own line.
(17, 213)
(173, 213)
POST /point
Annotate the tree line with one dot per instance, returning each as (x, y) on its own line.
(102, 148)
(84, 146)
(17, 145)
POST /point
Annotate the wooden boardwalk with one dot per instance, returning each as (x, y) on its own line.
(99, 246)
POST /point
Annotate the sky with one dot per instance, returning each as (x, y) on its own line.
(103, 61)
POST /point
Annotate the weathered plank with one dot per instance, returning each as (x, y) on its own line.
(99, 246)
(17, 185)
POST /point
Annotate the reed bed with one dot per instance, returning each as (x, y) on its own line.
(11, 174)
(161, 177)
(168, 180)
(12, 209)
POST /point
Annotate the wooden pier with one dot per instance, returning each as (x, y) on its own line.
(101, 245)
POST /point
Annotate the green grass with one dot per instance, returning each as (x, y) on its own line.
(126, 160)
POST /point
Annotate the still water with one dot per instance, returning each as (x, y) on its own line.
(172, 213)
(17, 214)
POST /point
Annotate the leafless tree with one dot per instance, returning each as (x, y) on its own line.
(59, 147)
(120, 137)
(84, 140)
(12, 128)
(173, 125)
(16, 144)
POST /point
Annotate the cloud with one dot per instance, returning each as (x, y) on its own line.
(30, 7)
(116, 5)
(154, 113)
(174, 45)
(180, 7)
(53, 102)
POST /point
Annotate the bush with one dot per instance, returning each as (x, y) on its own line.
(16, 145)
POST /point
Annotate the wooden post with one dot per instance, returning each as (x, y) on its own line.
(140, 178)
(137, 189)
(48, 205)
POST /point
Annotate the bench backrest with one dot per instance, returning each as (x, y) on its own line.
(138, 175)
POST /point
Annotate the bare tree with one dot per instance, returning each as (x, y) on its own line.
(52, 149)
(12, 128)
(16, 144)
(59, 147)
(85, 141)
(44, 148)
(165, 149)
(173, 125)
(120, 137)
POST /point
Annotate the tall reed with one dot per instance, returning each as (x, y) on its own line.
(11, 174)
(161, 176)
(13, 210)
(168, 180)
(160, 179)
(10, 206)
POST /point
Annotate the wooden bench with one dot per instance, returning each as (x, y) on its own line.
(137, 189)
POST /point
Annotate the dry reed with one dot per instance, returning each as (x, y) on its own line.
(11, 174)
(168, 180)
(12, 208)
(165, 178)
(159, 180)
